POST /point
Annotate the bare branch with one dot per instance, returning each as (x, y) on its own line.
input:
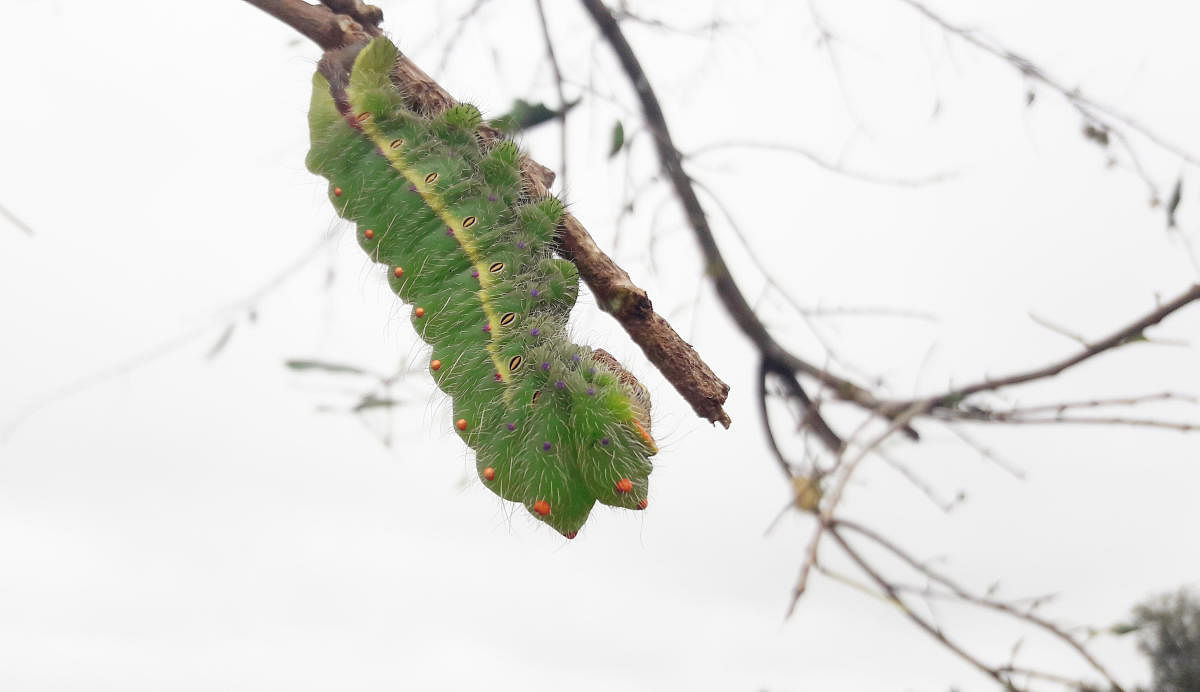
(820, 161)
(968, 597)
(895, 597)
(1102, 123)
(558, 85)
(1007, 418)
(1099, 403)
(1130, 333)
(12, 218)
(831, 501)
(731, 296)
(319, 24)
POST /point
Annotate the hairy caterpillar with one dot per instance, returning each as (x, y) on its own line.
(555, 426)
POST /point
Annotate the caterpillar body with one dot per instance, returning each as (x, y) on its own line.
(555, 426)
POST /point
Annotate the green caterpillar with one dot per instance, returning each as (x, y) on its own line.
(555, 426)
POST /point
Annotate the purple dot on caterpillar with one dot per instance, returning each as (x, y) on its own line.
(449, 231)
(575, 358)
(591, 371)
(534, 332)
(412, 188)
(546, 365)
(487, 327)
(521, 244)
(497, 377)
(604, 441)
(546, 446)
(591, 391)
(491, 198)
(533, 292)
(474, 273)
(511, 426)
(560, 384)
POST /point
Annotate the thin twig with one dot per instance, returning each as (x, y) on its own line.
(1127, 334)
(966, 596)
(1102, 122)
(829, 505)
(894, 595)
(822, 162)
(562, 97)
(14, 220)
(225, 316)
(1005, 418)
(1099, 403)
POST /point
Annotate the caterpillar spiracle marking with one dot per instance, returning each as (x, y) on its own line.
(555, 426)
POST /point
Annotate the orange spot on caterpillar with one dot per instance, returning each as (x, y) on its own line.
(645, 435)
(419, 312)
(363, 117)
(369, 234)
(337, 192)
(398, 271)
(496, 268)
(431, 178)
(537, 395)
(508, 318)
(624, 485)
(397, 143)
(461, 424)
(541, 507)
(570, 534)
(515, 363)
(643, 504)
(436, 365)
(489, 474)
(468, 222)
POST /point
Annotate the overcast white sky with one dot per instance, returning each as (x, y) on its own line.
(188, 523)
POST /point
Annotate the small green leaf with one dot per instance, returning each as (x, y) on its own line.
(221, 342)
(524, 115)
(372, 401)
(304, 365)
(618, 139)
(1173, 204)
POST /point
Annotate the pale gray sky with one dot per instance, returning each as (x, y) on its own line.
(195, 524)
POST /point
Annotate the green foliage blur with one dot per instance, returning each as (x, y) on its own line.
(1168, 631)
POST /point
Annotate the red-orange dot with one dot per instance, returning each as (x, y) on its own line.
(624, 485)
(461, 424)
(436, 365)
(489, 474)
(369, 234)
(337, 192)
(643, 504)
(419, 312)
(398, 271)
(541, 507)
(570, 534)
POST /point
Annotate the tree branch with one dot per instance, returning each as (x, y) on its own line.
(1125, 335)
(319, 24)
(775, 355)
